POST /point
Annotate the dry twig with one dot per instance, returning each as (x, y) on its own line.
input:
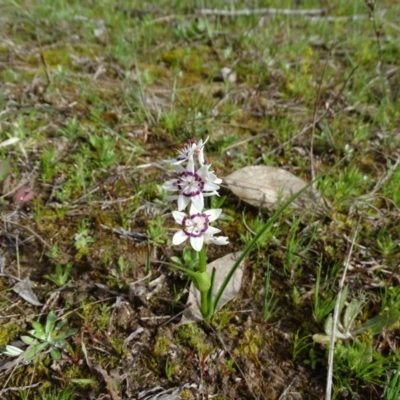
(270, 11)
(328, 392)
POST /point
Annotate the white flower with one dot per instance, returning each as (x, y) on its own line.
(199, 151)
(192, 185)
(187, 151)
(217, 240)
(211, 177)
(195, 226)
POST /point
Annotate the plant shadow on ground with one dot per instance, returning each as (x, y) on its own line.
(98, 94)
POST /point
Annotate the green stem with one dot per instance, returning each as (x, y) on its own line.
(203, 259)
(204, 305)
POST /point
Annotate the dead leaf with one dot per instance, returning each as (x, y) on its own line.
(9, 142)
(268, 187)
(163, 394)
(24, 289)
(222, 266)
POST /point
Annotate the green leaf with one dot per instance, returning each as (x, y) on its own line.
(38, 335)
(4, 169)
(329, 329)
(328, 325)
(70, 332)
(28, 340)
(270, 222)
(343, 298)
(34, 351)
(60, 325)
(38, 328)
(58, 270)
(58, 342)
(50, 323)
(379, 323)
(55, 354)
(352, 310)
(176, 260)
(84, 381)
(322, 339)
(201, 281)
(12, 351)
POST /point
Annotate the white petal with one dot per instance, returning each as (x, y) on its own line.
(201, 143)
(171, 197)
(178, 216)
(203, 171)
(217, 240)
(201, 157)
(183, 201)
(170, 185)
(208, 194)
(190, 165)
(198, 201)
(179, 169)
(193, 210)
(212, 231)
(179, 237)
(213, 214)
(208, 186)
(197, 242)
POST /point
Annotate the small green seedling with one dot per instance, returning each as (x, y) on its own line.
(393, 387)
(49, 338)
(104, 148)
(346, 328)
(189, 259)
(82, 240)
(61, 275)
(156, 231)
(270, 301)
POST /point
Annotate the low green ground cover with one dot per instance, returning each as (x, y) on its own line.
(98, 94)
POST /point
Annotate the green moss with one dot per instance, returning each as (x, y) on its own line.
(194, 336)
(8, 332)
(249, 345)
(161, 346)
(186, 394)
(189, 59)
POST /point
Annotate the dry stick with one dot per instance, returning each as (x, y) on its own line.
(244, 141)
(384, 79)
(270, 11)
(45, 67)
(383, 179)
(17, 254)
(29, 230)
(285, 392)
(330, 18)
(328, 392)
(19, 388)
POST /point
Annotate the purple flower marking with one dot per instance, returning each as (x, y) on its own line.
(192, 186)
(195, 226)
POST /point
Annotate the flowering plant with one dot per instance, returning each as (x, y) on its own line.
(194, 180)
